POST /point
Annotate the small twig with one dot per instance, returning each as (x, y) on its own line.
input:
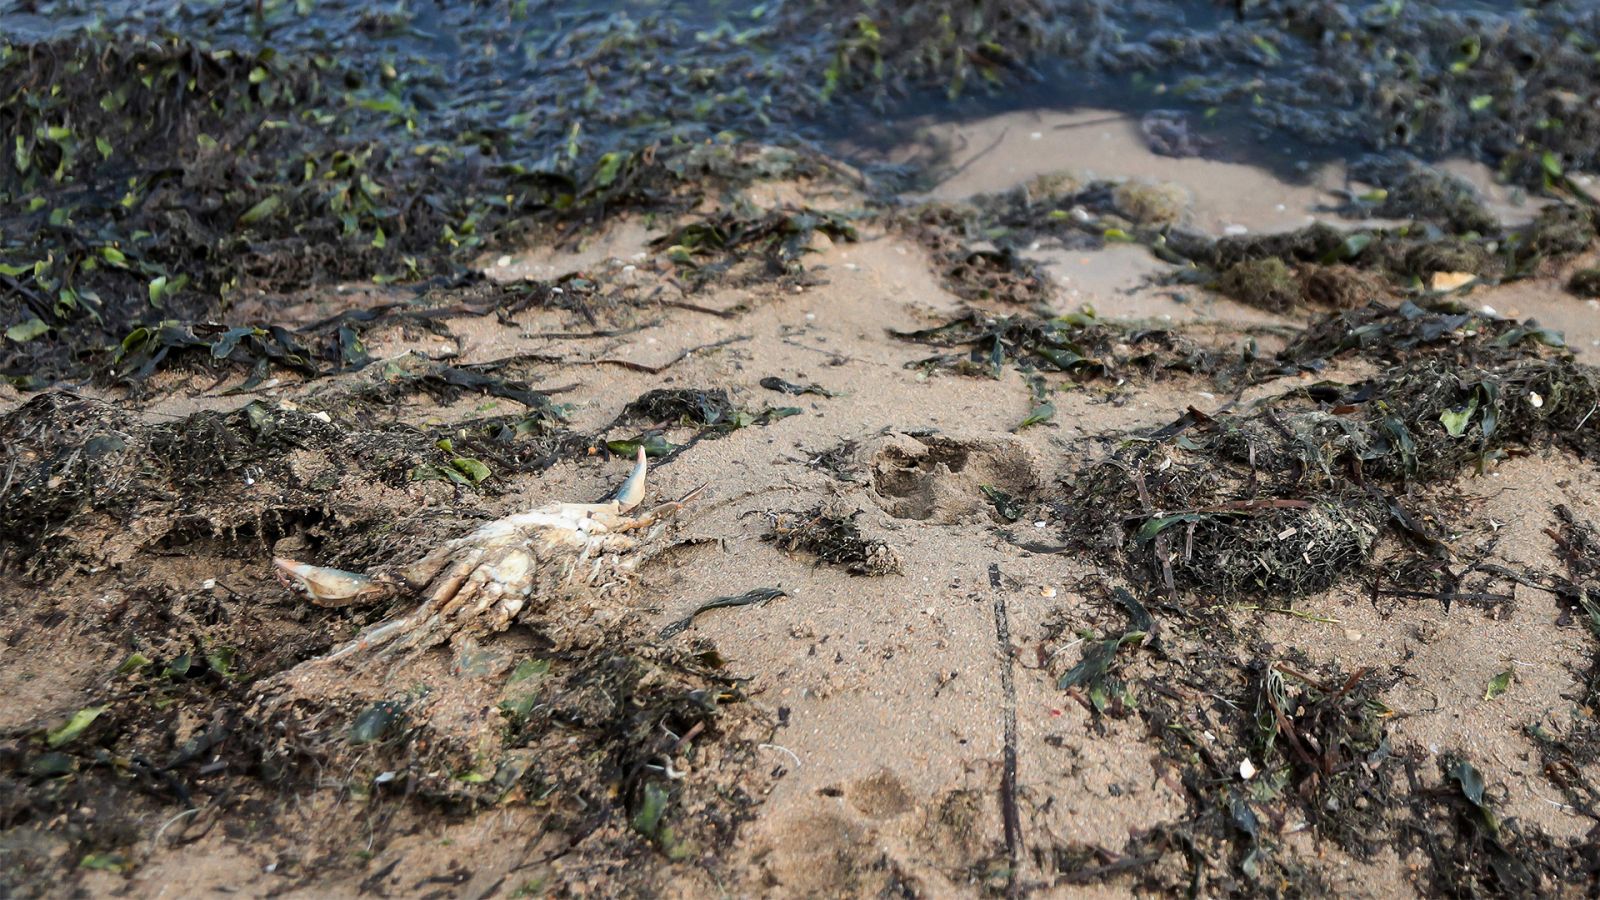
(733, 313)
(834, 353)
(1088, 123)
(587, 335)
(1451, 596)
(657, 370)
(1288, 612)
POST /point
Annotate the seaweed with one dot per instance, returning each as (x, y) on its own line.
(1437, 329)
(718, 248)
(1407, 188)
(971, 271)
(834, 540)
(682, 405)
(1283, 498)
(1322, 265)
(1265, 283)
(75, 463)
(1080, 344)
(1326, 739)
(1585, 283)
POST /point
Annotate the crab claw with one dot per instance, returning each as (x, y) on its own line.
(328, 586)
(632, 490)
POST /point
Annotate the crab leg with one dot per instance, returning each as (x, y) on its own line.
(632, 490)
(327, 586)
(627, 496)
(377, 635)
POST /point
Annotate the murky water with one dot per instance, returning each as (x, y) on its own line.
(1268, 82)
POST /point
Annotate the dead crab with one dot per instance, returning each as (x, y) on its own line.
(477, 585)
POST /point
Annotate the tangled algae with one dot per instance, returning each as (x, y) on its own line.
(834, 538)
(1321, 265)
(1284, 496)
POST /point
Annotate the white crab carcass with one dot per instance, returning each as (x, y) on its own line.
(477, 585)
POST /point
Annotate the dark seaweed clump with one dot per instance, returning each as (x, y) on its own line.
(77, 465)
(740, 250)
(1321, 755)
(1080, 345)
(833, 539)
(1585, 283)
(1324, 266)
(1258, 735)
(979, 246)
(1409, 189)
(1283, 498)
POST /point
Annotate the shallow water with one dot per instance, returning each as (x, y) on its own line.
(1257, 82)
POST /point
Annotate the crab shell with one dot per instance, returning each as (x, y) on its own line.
(478, 584)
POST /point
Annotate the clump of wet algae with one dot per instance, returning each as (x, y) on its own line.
(833, 538)
(1320, 266)
(1280, 499)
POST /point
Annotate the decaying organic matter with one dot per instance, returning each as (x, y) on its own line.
(834, 539)
(477, 585)
(1284, 497)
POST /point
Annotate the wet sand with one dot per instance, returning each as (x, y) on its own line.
(889, 765)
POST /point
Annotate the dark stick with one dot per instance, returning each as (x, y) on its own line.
(1008, 771)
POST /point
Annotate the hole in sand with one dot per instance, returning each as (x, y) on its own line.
(941, 479)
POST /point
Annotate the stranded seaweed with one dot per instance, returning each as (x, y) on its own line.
(1286, 496)
(834, 539)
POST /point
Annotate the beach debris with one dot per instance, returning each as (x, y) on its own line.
(690, 406)
(1450, 281)
(1585, 283)
(708, 409)
(834, 539)
(1500, 683)
(1006, 506)
(774, 383)
(1167, 133)
(1287, 495)
(753, 597)
(477, 585)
